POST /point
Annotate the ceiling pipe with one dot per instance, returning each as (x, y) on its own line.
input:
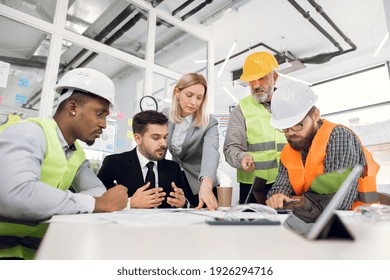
(181, 7)
(317, 59)
(323, 57)
(335, 27)
(196, 9)
(307, 16)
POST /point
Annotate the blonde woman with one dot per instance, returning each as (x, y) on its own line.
(193, 138)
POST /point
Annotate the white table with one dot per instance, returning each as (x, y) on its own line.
(140, 235)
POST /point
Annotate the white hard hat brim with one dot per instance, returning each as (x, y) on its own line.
(290, 104)
(288, 122)
(87, 80)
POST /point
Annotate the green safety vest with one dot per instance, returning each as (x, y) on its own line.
(264, 142)
(20, 239)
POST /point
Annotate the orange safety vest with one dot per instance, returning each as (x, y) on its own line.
(301, 176)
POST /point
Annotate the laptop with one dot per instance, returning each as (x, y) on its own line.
(328, 224)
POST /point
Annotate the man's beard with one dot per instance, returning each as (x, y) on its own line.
(90, 142)
(261, 98)
(305, 142)
(153, 156)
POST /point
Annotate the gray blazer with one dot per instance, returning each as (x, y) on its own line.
(199, 155)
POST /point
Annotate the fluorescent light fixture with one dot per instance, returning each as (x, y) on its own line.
(381, 44)
(230, 94)
(234, 5)
(293, 79)
(227, 59)
(200, 61)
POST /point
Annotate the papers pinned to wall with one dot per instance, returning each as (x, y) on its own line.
(4, 71)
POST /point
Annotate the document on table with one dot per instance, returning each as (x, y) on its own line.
(143, 217)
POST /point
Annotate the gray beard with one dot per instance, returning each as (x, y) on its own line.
(260, 98)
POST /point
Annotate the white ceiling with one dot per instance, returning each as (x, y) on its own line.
(279, 25)
(275, 23)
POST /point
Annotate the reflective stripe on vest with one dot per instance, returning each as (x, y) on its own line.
(21, 239)
(301, 177)
(264, 142)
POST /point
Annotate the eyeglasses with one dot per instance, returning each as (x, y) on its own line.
(295, 128)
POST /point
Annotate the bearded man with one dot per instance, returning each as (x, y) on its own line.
(318, 156)
(252, 145)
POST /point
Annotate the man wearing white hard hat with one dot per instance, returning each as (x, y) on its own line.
(40, 160)
(252, 145)
(316, 147)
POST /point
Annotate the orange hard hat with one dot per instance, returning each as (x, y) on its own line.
(258, 65)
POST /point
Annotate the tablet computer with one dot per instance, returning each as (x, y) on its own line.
(258, 190)
(328, 221)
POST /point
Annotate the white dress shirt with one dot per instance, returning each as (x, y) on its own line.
(143, 161)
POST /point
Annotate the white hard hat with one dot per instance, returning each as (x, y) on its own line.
(290, 103)
(87, 80)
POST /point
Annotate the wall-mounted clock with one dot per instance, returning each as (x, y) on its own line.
(148, 103)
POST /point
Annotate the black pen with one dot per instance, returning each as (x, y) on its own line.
(287, 203)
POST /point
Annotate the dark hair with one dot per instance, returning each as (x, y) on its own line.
(142, 119)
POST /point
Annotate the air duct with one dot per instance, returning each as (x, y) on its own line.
(196, 9)
(181, 7)
(99, 37)
(111, 26)
(115, 36)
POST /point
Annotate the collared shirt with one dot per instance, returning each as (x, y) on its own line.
(179, 134)
(343, 150)
(143, 161)
(22, 194)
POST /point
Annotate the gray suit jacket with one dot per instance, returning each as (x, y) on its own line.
(199, 155)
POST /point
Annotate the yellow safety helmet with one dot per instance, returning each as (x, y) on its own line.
(258, 65)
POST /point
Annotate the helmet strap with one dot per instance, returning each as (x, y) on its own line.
(66, 95)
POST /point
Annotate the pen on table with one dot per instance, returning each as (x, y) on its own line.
(116, 183)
